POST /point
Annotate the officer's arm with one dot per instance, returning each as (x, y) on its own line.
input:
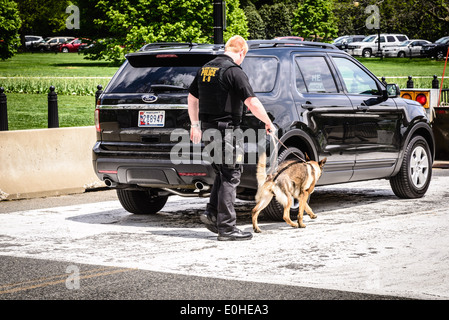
(257, 109)
(193, 109)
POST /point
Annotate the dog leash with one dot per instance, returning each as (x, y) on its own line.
(280, 142)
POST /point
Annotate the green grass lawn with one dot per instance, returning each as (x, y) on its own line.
(55, 65)
(30, 111)
(27, 78)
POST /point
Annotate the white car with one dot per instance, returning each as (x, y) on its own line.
(369, 46)
(409, 48)
(31, 41)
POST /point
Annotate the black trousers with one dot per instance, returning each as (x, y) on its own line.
(223, 195)
(224, 189)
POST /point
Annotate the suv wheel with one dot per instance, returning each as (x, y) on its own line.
(440, 55)
(401, 54)
(140, 202)
(414, 176)
(366, 53)
(275, 211)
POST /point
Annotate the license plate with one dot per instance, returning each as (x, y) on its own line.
(151, 118)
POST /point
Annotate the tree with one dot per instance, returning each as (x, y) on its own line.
(315, 19)
(278, 19)
(41, 17)
(256, 25)
(137, 22)
(9, 29)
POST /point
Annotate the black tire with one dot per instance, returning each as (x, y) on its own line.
(366, 53)
(140, 202)
(401, 54)
(413, 179)
(275, 211)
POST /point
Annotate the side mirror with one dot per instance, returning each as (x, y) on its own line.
(393, 90)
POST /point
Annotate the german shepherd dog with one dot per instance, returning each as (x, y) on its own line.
(293, 179)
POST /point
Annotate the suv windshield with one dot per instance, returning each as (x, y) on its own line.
(369, 39)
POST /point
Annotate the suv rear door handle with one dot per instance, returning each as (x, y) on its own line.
(308, 106)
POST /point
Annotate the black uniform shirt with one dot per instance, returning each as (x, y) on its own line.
(239, 89)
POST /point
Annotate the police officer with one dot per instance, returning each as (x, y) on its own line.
(215, 100)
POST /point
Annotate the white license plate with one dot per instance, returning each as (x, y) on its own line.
(151, 118)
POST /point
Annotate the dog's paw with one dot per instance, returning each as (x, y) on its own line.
(302, 225)
(314, 216)
(257, 230)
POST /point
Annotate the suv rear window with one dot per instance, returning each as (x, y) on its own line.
(142, 80)
(169, 72)
(262, 72)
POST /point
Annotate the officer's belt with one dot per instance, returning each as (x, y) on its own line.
(218, 125)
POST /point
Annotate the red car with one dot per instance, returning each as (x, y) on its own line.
(73, 45)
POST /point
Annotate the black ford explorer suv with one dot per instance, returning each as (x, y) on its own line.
(323, 102)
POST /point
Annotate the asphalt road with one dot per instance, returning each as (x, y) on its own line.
(366, 244)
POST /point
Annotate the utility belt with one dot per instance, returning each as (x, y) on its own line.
(219, 125)
(232, 144)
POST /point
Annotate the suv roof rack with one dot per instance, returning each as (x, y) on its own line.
(159, 45)
(255, 44)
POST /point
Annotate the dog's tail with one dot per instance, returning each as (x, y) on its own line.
(261, 169)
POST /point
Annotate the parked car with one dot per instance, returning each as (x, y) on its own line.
(32, 41)
(369, 46)
(343, 41)
(323, 101)
(74, 45)
(52, 43)
(436, 50)
(409, 48)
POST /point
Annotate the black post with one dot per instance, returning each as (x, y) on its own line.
(98, 93)
(53, 121)
(435, 82)
(3, 111)
(219, 9)
(410, 82)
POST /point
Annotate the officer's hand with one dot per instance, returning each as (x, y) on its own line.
(195, 134)
(271, 129)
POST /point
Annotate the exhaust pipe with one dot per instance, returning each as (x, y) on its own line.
(201, 186)
(110, 183)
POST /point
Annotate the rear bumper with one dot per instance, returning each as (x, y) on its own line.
(148, 171)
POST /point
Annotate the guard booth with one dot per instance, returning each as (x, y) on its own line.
(438, 115)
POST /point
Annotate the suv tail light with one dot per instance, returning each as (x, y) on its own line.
(97, 118)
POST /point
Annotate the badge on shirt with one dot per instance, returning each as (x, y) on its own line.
(208, 72)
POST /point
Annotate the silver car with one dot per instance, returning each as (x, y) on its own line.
(409, 48)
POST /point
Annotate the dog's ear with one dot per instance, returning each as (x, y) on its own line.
(307, 157)
(322, 162)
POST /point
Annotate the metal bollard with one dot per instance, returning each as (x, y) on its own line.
(98, 93)
(435, 82)
(384, 81)
(410, 82)
(3, 110)
(53, 120)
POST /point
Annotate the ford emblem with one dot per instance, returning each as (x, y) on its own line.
(149, 98)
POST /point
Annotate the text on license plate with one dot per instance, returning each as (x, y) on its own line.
(151, 118)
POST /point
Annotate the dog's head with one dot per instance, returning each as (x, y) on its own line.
(321, 163)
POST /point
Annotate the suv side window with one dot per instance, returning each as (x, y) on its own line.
(316, 75)
(356, 80)
(391, 39)
(261, 72)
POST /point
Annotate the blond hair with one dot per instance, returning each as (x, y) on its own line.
(236, 44)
